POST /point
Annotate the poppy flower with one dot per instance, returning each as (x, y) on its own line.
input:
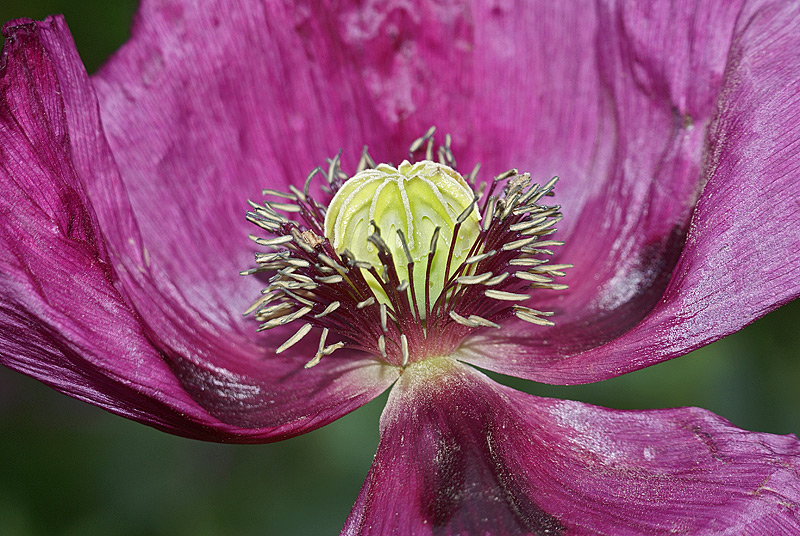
(673, 129)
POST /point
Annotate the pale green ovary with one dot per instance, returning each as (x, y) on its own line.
(414, 199)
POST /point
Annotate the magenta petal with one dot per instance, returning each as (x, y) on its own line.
(206, 105)
(64, 317)
(639, 294)
(460, 454)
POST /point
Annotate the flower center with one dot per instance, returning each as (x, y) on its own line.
(405, 261)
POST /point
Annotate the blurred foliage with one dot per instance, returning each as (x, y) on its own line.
(71, 469)
(98, 27)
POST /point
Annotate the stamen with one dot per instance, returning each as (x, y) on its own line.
(516, 244)
(297, 263)
(286, 207)
(526, 262)
(483, 322)
(307, 183)
(524, 225)
(256, 304)
(298, 277)
(281, 321)
(272, 241)
(489, 213)
(503, 295)
(479, 258)
(299, 195)
(366, 303)
(332, 263)
(334, 163)
(328, 350)
(546, 243)
(527, 276)
(531, 316)
(382, 346)
(473, 174)
(302, 332)
(278, 193)
(497, 279)
(463, 321)
(329, 309)
(366, 161)
(293, 285)
(475, 279)
(297, 298)
(404, 349)
(551, 286)
(319, 354)
(268, 312)
(330, 279)
(506, 174)
(416, 144)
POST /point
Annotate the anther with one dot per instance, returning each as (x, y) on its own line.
(404, 349)
(506, 174)
(323, 336)
(332, 263)
(462, 320)
(286, 207)
(483, 322)
(334, 163)
(277, 241)
(527, 276)
(532, 316)
(278, 193)
(330, 279)
(329, 309)
(516, 244)
(497, 279)
(382, 346)
(366, 303)
(506, 296)
(479, 258)
(294, 338)
(384, 326)
(473, 174)
(475, 279)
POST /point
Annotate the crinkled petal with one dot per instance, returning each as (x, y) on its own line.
(460, 454)
(723, 94)
(64, 319)
(205, 106)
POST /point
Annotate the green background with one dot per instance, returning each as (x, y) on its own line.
(68, 468)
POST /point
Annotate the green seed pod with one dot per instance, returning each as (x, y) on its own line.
(414, 199)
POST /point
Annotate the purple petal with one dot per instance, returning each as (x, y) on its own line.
(64, 316)
(460, 454)
(685, 90)
(205, 106)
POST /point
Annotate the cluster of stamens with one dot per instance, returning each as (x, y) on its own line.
(312, 284)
